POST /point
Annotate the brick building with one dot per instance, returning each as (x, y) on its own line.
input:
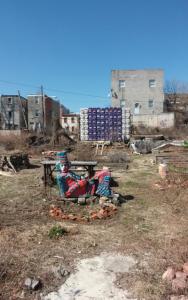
(71, 122)
(43, 111)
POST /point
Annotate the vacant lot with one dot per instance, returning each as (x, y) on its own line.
(151, 225)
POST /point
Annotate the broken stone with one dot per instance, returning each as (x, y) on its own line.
(116, 199)
(103, 200)
(181, 275)
(63, 271)
(32, 284)
(36, 283)
(169, 274)
(185, 268)
(28, 283)
(81, 200)
(178, 285)
(182, 297)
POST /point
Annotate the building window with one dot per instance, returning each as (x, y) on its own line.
(72, 128)
(72, 120)
(9, 100)
(121, 84)
(122, 103)
(136, 108)
(150, 103)
(36, 100)
(152, 83)
(65, 120)
(36, 113)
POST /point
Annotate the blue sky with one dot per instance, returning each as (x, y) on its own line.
(70, 47)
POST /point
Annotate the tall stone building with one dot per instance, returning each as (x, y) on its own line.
(139, 90)
(43, 111)
(13, 112)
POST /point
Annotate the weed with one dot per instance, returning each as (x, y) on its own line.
(57, 231)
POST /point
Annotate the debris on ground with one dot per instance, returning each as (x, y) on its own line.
(149, 145)
(63, 272)
(177, 278)
(169, 183)
(14, 162)
(35, 140)
(32, 284)
(101, 213)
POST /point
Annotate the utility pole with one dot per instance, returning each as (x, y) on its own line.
(43, 110)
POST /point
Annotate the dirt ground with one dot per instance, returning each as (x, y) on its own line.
(151, 226)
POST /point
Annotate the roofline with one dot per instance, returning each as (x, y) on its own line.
(137, 70)
(69, 115)
(13, 96)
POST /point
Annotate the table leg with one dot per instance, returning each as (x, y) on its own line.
(45, 176)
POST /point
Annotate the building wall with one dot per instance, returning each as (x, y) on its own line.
(42, 113)
(12, 110)
(129, 87)
(35, 112)
(71, 123)
(164, 120)
(64, 110)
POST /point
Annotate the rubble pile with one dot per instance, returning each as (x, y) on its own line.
(169, 183)
(178, 279)
(35, 140)
(102, 213)
(14, 162)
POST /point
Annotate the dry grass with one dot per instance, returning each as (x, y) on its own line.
(152, 227)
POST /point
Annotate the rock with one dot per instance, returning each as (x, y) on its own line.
(185, 268)
(36, 284)
(81, 200)
(169, 274)
(63, 271)
(179, 297)
(178, 285)
(28, 283)
(116, 199)
(103, 200)
(181, 275)
(32, 284)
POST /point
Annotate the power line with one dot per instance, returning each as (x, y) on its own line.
(53, 90)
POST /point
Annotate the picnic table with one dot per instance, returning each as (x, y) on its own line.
(49, 168)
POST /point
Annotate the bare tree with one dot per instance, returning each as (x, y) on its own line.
(173, 89)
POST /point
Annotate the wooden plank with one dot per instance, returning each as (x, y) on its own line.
(73, 163)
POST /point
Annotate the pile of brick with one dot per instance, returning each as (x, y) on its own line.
(103, 213)
(178, 280)
(166, 184)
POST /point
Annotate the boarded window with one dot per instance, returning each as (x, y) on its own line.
(150, 103)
